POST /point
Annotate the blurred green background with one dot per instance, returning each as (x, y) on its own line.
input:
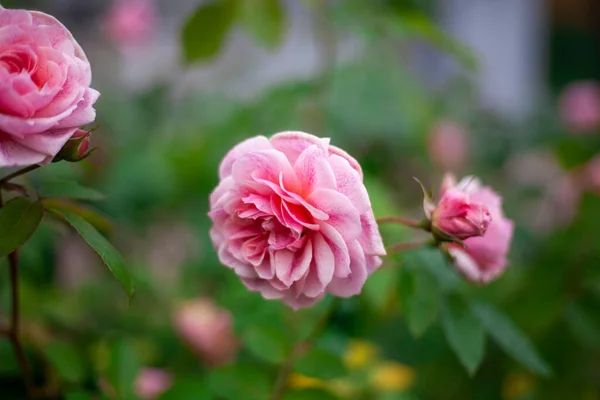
(185, 81)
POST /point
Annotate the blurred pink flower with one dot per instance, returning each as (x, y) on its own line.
(44, 87)
(448, 145)
(457, 215)
(208, 330)
(580, 106)
(293, 219)
(151, 383)
(592, 174)
(131, 22)
(484, 259)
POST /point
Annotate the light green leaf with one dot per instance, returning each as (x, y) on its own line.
(66, 360)
(111, 257)
(206, 30)
(309, 394)
(267, 342)
(421, 299)
(510, 338)
(264, 19)
(19, 218)
(123, 368)
(70, 190)
(240, 381)
(380, 286)
(320, 363)
(464, 332)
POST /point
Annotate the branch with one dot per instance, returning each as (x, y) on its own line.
(403, 221)
(20, 172)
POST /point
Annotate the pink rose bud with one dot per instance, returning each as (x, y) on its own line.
(76, 148)
(45, 93)
(131, 22)
(458, 216)
(448, 145)
(292, 217)
(484, 257)
(151, 383)
(580, 106)
(208, 330)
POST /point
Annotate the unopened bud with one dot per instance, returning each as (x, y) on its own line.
(456, 216)
(77, 147)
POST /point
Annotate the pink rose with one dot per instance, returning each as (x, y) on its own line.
(151, 383)
(484, 259)
(580, 106)
(293, 219)
(131, 22)
(456, 214)
(448, 145)
(208, 330)
(44, 87)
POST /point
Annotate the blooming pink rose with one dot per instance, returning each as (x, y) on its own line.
(484, 259)
(580, 106)
(208, 330)
(448, 145)
(456, 214)
(151, 383)
(293, 219)
(131, 21)
(44, 87)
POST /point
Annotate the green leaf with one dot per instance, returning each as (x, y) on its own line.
(111, 257)
(321, 363)
(123, 368)
(78, 396)
(19, 218)
(309, 394)
(584, 325)
(66, 360)
(70, 190)
(206, 30)
(463, 331)
(510, 338)
(267, 342)
(240, 381)
(190, 388)
(380, 286)
(421, 299)
(264, 19)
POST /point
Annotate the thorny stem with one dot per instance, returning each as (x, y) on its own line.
(12, 332)
(300, 348)
(403, 221)
(20, 172)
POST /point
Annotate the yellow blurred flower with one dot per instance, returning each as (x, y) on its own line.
(517, 385)
(360, 353)
(299, 381)
(392, 376)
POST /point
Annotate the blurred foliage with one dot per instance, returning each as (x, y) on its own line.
(418, 331)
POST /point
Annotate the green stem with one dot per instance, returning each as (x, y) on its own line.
(20, 172)
(406, 246)
(404, 221)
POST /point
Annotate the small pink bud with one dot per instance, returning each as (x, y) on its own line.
(208, 330)
(457, 216)
(151, 383)
(580, 106)
(448, 145)
(76, 148)
(131, 22)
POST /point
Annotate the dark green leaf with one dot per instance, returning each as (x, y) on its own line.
(19, 218)
(510, 338)
(320, 363)
(69, 189)
(421, 299)
(432, 260)
(264, 19)
(206, 30)
(123, 368)
(240, 381)
(78, 396)
(309, 394)
(463, 331)
(66, 360)
(266, 341)
(584, 325)
(188, 389)
(111, 257)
